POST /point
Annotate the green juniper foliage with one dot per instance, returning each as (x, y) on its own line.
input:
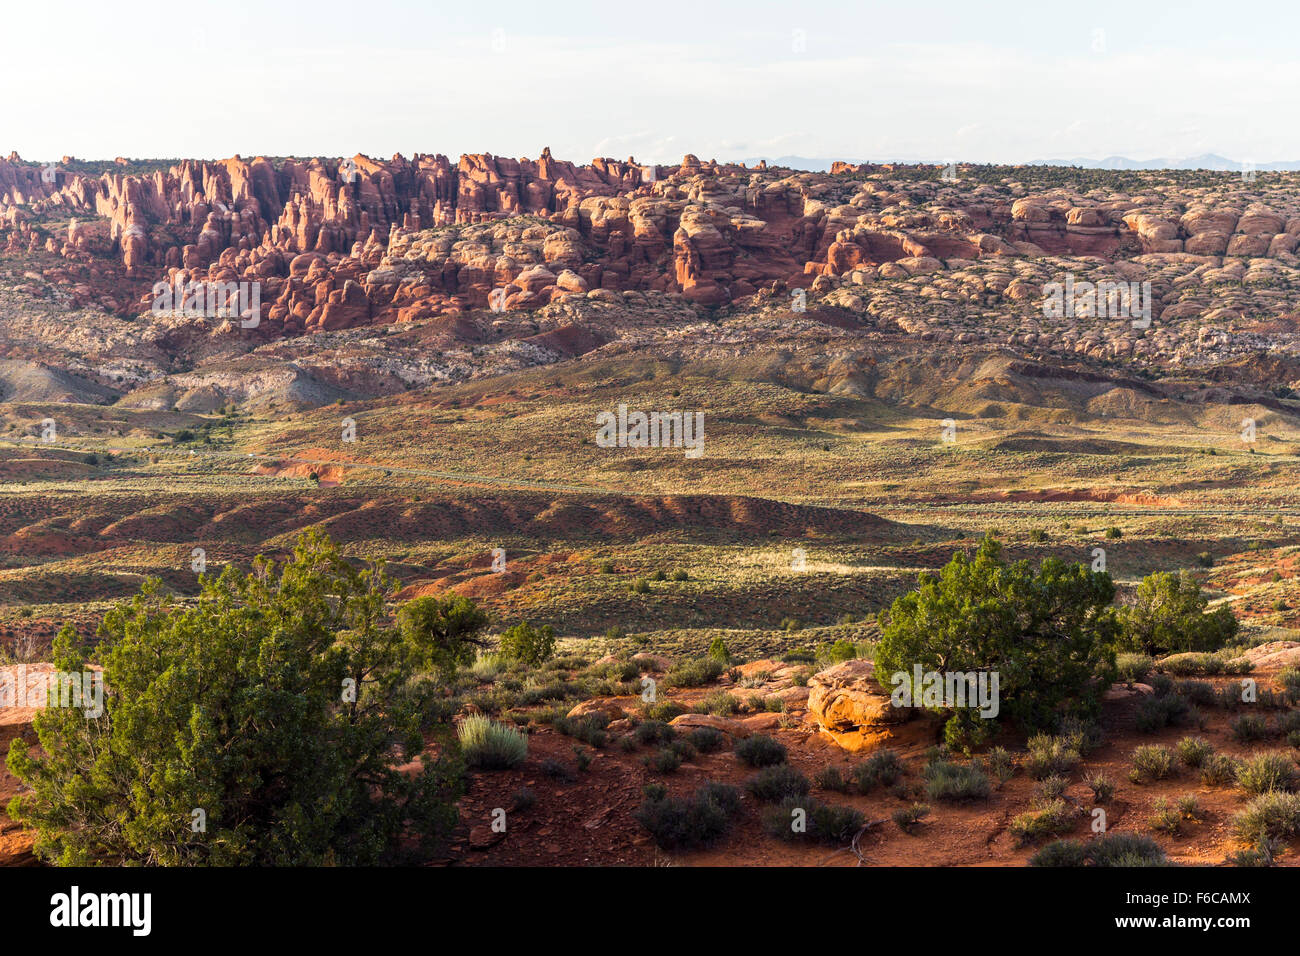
(1169, 615)
(240, 706)
(1049, 633)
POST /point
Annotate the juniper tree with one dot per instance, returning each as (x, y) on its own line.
(263, 724)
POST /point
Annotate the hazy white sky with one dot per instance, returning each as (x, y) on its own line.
(993, 82)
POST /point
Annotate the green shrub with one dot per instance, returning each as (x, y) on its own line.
(488, 745)
(778, 782)
(820, 822)
(1165, 818)
(653, 732)
(1052, 787)
(719, 704)
(1261, 854)
(1152, 762)
(1218, 770)
(1001, 764)
(839, 652)
(1125, 850)
(1189, 805)
(1108, 850)
(1249, 727)
(1132, 668)
(908, 817)
(1289, 678)
(698, 821)
(1047, 633)
(1102, 787)
(1050, 755)
(882, 768)
(661, 710)
(683, 749)
(232, 701)
(1274, 815)
(552, 768)
(663, 760)
(590, 728)
(1156, 713)
(1199, 692)
(718, 651)
(1193, 751)
(830, 778)
(1052, 819)
(1266, 772)
(1169, 615)
(1061, 853)
(951, 781)
(528, 645)
(694, 673)
(707, 739)
(760, 751)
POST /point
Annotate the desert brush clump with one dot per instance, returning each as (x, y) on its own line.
(805, 820)
(1274, 815)
(760, 751)
(1108, 849)
(906, 818)
(695, 672)
(685, 823)
(1160, 711)
(488, 745)
(1218, 770)
(948, 781)
(1050, 755)
(1193, 752)
(881, 769)
(1248, 728)
(777, 783)
(707, 740)
(1262, 773)
(653, 732)
(1132, 668)
(1052, 818)
(830, 778)
(1151, 762)
(1102, 787)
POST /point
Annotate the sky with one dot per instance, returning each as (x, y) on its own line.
(998, 82)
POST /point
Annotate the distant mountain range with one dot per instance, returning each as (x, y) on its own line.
(1204, 161)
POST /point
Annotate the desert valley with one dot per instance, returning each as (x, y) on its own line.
(818, 387)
